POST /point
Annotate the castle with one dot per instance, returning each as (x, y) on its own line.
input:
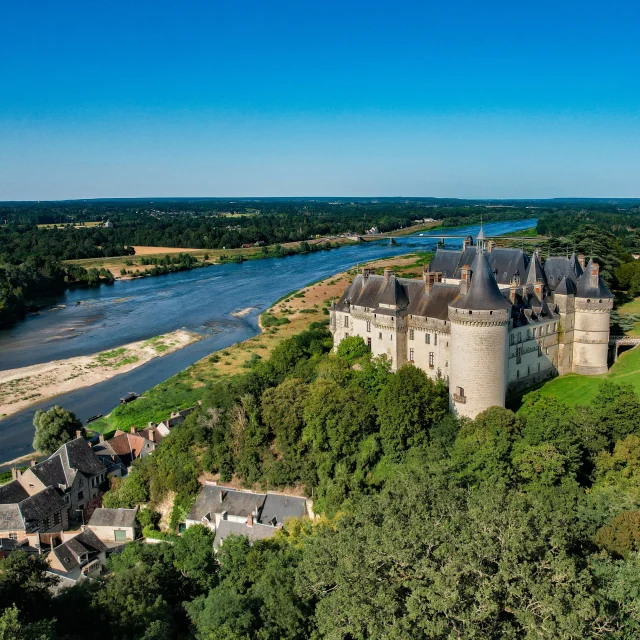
(490, 320)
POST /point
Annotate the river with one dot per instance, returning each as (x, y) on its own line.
(85, 321)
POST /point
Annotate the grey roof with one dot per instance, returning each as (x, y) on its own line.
(281, 507)
(215, 499)
(12, 493)
(37, 507)
(585, 290)
(113, 518)
(535, 272)
(484, 293)
(51, 472)
(557, 267)
(566, 286)
(69, 552)
(575, 263)
(446, 261)
(255, 532)
(11, 518)
(392, 293)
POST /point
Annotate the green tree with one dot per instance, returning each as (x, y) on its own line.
(53, 428)
(195, 558)
(408, 406)
(352, 348)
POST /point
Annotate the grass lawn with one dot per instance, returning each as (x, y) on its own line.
(575, 389)
(633, 306)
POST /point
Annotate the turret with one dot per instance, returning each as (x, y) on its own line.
(593, 304)
(479, 322)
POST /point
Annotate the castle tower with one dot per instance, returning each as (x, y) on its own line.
(565, 298)
(479, 328)
(593, 304)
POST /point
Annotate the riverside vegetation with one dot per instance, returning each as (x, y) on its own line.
(510, 525)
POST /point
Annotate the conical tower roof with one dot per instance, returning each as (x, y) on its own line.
(575, 264)
(484, 293)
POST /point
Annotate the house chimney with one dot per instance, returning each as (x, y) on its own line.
(15, 473)
(132, 430)
(491, 245)
(152, 435)
(250, 520)
(151, 425)
(594, 275)
(465, 279)
(32, 463)
(222, 495)
(581, 260)
(78, 434)
(101, 437)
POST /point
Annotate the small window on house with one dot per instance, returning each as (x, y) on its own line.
(435, 338)
(528, 334)
(411, 353)
(56, 518)
(411, 334)
(346, 321)
(368, 326)
(346, 335)
(80, 482)
(380, 335)
(369, 343)
(431, 359)
(80, 495)
(391, 337)
(446, 364)
(460, 391)
(427, 338)
(555, 327)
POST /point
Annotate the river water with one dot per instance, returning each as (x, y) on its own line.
(85, 321)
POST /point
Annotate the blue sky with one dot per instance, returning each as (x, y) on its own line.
(460, 99)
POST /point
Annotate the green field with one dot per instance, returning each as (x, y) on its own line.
(574, 389)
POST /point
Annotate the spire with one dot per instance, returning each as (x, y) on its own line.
(481, 240)
(535, 273)
(483, 292)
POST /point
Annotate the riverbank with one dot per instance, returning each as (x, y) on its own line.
(144, 255)
(290, 315)
(20, 388)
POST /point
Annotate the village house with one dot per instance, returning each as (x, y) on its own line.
(74, 471)
(29, 520)
(114, 525)
(80, 557)
(124, 448)
(254, 515)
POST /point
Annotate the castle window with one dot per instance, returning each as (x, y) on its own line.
(369, 343)
(546, 351)
(460, 391)
(588, 300)
(411, 335)
(446, 364)
(346, 335)
(519, 337)
(431, 359)
(539, 351)
(555, 327)
(435, 338)
(346, 321)
(380, 335)
(411, 354)
(512, 339)
(427, 338)
(517, 374)
(528, 334)
(528, 370)
(368, 325)
(391, 337)
(538, 367)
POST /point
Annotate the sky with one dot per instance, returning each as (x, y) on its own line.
(465, 99)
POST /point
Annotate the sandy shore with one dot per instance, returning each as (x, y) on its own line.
(22, 387)
(242, 313)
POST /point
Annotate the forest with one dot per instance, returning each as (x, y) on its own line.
(510, 525)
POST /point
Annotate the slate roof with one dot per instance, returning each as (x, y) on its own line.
(12, 493)
(392, 293)
(37, 507)
(504, 262)
(113, 518)
(216, 499)
(69, 552)
(61, 467)
(484, 293)
(11, 518)
(535, 272)
(566, 287)
(278, 508)
(255, 532)
(585, 290)
(50, 472)
(557, 267)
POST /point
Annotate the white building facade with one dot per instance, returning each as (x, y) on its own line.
(490, 321)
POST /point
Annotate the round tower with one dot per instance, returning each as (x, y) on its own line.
(593, 304)
(479, 319)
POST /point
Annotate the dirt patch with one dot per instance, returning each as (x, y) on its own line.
(22, 387)
(149, 251)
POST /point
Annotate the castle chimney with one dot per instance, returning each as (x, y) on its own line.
(431, 278)
(513, 287)
(467, 242)
(132, 431)
(250, 520)
(33, 462)
(465, 280)
(594, 274)
(491, 245)
(537, 287)
(581, 260)
(388, 272)
(101, 437)
(365, 276)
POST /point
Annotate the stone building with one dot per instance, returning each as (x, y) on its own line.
(489, 320)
